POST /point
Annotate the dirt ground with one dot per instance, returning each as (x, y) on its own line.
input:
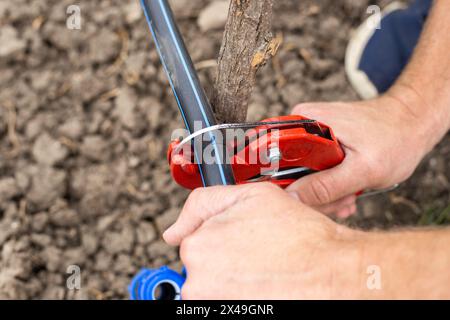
(85, 119)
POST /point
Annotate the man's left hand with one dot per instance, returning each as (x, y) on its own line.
(259, 242)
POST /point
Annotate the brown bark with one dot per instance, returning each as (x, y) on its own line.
(247, 45)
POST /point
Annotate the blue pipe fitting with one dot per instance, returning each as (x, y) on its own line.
(157, 284)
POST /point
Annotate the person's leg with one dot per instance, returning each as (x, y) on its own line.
(376, 57)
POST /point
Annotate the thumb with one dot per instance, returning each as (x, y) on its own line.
(203, 204)
(314, 110)
(328, 186)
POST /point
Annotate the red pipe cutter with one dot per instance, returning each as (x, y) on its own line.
(279, 150)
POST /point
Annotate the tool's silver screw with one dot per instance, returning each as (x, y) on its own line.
(275, 155)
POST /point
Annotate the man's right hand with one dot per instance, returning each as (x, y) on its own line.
(384, 140)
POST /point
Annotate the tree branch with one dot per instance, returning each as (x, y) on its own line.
(247, 45)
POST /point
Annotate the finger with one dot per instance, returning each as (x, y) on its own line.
(347, 212)
(203, 204)
(335, 207)
(328, 186)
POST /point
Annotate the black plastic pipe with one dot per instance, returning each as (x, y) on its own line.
(191, 98)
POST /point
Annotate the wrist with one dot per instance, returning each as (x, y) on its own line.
(348, 272)
(409, 264)
(363, 267)
(428, 120)
(370, 265)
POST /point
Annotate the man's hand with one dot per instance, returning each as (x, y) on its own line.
(384, 141)
(387, 137)
(259, 242)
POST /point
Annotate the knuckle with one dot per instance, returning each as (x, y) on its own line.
(186, 251)
(193, 200)
(267, 187)
(376, 168)
(195, 195)
(260, 189)
(272, 188)
(320, 192)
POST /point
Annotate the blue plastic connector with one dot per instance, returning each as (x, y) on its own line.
(157, 284)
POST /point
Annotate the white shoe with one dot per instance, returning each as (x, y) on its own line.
(358, 42)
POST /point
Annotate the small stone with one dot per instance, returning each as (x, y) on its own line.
(148, 210)
(125, 107)
(104, 46)
(48, 151)
(293, 94)
(153, 108)
(5, 232)
(103, 261)
(42, 240)
(65, 218)
(330, 25)
(53, 258)
(104, 223)
(5, 9)
(73, 128)
(145, 186)
(146, 233)
(98, 187)
(93, 126)
(117, 242)
(47, 185)
(160, 249)
(256, 112)
(133, 12)
(40, 80)
(135, 64)
(39, 221)
(133, 162)
(89, 242)
(86, 85)
(34, 127)
(165, 220)
(54, 293)
(22, 180)
(124, 264)
(11, 44)
(95, 148)
(214, 16)
(186, 8)
(10, 286)
(8, 189)
(320, 67)
(74, 256)
(293, 70)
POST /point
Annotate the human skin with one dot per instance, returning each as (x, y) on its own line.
(260, 242)
(386, 138)
(257, 241)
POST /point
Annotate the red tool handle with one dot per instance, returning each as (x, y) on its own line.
(297, 145)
